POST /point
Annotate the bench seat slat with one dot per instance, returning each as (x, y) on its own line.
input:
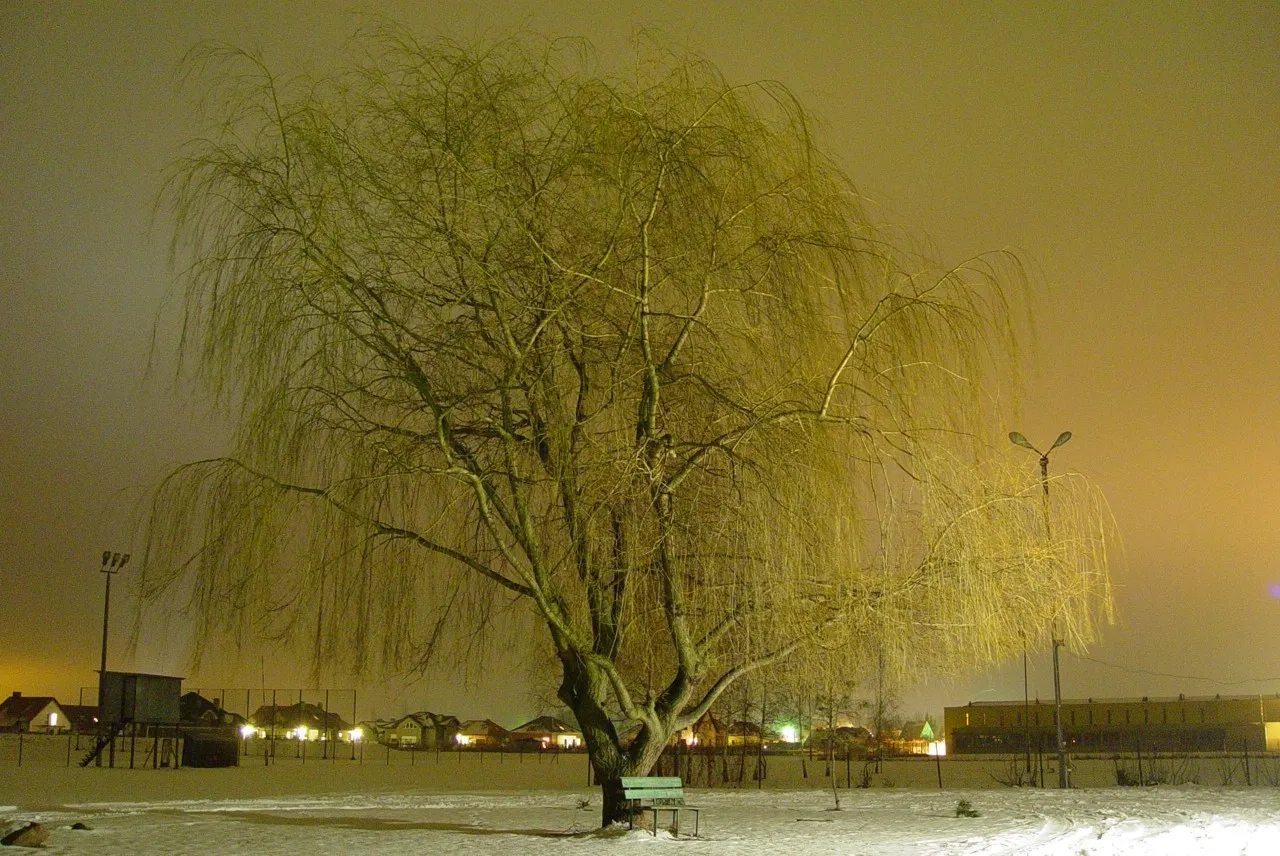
(651, 782)
(653, 794)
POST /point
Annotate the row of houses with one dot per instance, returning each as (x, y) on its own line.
(300, 721)
(420, 730)
(426, 730)
(913, 738)
(429, 731)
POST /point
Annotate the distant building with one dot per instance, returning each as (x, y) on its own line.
(375, 729)
(546, 731)
(195, 709)
(744, 733)
(33, 714)
(1183, 724)
(481, 733)
(846, 738)
(913, 738)
(299, 721)
(706, 732)
(84, 717)
(424, 730)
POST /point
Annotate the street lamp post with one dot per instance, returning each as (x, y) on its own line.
(111, 563)
(1019, 440)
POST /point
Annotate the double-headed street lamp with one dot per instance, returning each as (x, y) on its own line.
(111, 563)
(1018, 440)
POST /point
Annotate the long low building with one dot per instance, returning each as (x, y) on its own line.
(1182, 724)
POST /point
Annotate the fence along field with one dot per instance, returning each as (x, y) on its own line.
(368, 764)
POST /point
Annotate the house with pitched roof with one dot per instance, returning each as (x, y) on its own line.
(300, 721)
(195, 709)
(480, 733)
(707, 731)
(424, 730)
(545, 732)
(33, 714)
(913, 738)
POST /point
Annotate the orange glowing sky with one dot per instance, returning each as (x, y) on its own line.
(1129, 150)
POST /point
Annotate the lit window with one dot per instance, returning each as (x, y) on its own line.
(53, 720)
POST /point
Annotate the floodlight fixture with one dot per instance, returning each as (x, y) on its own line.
(1018, 440)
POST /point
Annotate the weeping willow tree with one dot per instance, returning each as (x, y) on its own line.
(619, 356)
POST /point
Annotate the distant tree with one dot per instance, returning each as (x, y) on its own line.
(503, 336)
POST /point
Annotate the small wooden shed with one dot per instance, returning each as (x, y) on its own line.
(139, 698)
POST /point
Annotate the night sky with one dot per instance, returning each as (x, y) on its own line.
(1128, 151)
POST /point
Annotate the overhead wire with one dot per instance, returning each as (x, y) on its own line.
(1176, 676)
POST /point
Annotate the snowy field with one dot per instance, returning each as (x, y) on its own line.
(527, 807)
(798, 823)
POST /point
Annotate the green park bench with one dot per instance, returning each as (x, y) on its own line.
(657, 794)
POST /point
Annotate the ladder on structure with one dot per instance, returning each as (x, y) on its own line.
(109, 733)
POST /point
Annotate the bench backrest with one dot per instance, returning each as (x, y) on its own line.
(653, 788)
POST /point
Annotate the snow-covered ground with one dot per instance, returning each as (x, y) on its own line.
(379, 814)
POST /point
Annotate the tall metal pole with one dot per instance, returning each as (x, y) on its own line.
(1063, 781)
(111, 563)
(106, 617)
(1019, 440)
(1026, 708)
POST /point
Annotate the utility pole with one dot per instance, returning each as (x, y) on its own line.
(1019, 440)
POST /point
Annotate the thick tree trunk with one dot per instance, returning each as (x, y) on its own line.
(610, 763)
(614, 808)
(583, 690)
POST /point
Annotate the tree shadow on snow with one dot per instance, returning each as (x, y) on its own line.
(375, 824)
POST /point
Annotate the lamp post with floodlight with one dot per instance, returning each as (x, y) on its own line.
(1018, 440)
(111, 563)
